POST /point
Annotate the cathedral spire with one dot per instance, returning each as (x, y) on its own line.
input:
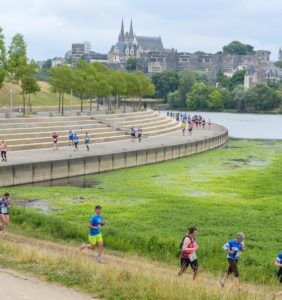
(121, 35)
(131, 34)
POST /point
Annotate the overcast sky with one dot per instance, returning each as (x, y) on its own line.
(51, 26)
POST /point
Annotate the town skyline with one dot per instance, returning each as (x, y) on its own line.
(50, 30)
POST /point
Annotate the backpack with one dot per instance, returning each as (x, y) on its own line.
(182, 241)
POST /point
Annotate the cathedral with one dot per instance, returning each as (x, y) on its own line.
(131, 45)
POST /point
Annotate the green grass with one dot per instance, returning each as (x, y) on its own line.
(43, 98)
(149, 208)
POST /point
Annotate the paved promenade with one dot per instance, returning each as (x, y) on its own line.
(174, 138)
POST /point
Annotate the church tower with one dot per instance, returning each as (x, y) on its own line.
(131, 34)
(121, 35)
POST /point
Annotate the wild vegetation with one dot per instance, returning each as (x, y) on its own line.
(149, 208)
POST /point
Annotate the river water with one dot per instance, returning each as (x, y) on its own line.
(249, 126)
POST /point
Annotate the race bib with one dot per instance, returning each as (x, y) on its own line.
(192, 257)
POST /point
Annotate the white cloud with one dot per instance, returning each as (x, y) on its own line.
(50, 26)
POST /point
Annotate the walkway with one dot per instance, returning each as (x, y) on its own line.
(175, 138)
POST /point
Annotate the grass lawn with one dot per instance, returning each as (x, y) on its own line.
(236, 188)
(43, 98)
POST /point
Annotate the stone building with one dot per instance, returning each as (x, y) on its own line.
(131, 45)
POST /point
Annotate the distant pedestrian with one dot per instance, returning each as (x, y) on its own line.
(75, 141)
(132, 133)
(140, 134)
(188, 257)
(204, 123)
(278, 263)
(71, 133)
(55, 138)
(234, 248)
(183, 127)
(87, 140)
(209, 123)
(4, 149)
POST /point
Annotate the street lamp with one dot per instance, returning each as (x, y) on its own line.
(11, 76)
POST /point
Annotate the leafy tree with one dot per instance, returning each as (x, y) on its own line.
(201, 77)
(215, 102)
(2, 58)
(47, 64)
(227, 99)
(131, 64)
(278, 64)
(236, 79)
(165, 82)
(31, 86)
(239, 96)
(238, 48)
(198, 97)
(174, 99)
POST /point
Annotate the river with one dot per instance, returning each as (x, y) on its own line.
(248, 126)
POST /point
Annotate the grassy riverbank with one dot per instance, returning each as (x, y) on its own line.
(149, 208)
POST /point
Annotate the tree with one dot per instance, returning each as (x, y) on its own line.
(236, 79)
(215, 102)
(2, 58)
(165, 82)
(18, 63)
(131, 64)
(174, 99)
(198, 97)
(278, 64)
(30, 86)
(47, 64)
(238, 48)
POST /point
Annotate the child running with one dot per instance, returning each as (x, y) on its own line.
(55, 141)
(4, 149)
(234, 248)
(75, 142)
(95, 236)
(188, 247)
(278, 263)
(87, 140)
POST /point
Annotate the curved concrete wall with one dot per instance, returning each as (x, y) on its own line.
(50, 170)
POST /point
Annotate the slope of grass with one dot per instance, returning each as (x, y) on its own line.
(149, 208)
(43, 98)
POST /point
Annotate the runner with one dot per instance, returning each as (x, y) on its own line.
(4, 149)
(204, 123)
(132, 133)
(5, 205)
(55, 141)
(190, 128)
(95, 236)
(278, 263)
(234, 249)
(87, 140)
(140, 134)
(75, 141)
(209, 122)
(183, 127)
(188, 256)
(71, 133)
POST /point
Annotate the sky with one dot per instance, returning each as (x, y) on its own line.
(51, 26)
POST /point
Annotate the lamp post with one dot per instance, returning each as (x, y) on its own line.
(11, 76)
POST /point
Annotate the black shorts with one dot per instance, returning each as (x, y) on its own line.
(279, 274)
(233, 267)
(186, 262)
(133, 134)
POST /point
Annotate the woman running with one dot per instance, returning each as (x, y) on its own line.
(5, 205)
(4, 149)
(55, 141)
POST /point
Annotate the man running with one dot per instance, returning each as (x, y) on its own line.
(234, 249)
(183, 127)
(87, 140)
(55, 141)
(75, 141)
(71, 133)
(190, 128)
(95, 236)
(4, 149)
(188, 247)
(140, 134)
(132, 133)
(278, 263)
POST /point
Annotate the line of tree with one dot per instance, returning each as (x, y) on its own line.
(15, 65)
(97, 81)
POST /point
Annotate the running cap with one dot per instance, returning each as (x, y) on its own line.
(240, 235)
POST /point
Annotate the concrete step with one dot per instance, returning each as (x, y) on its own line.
(131, 118)
(131, 114)
(140, 120)
(144, 124)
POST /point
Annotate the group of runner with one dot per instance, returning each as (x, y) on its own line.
(4, 150)
(73, 140)
(5, 204)
(188, 121)
(133, 132)
(188, 248)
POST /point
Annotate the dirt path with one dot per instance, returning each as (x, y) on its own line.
(26, 287)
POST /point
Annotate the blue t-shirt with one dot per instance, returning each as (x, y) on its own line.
(95, 221)
(233, 245)
(75, 139)
(279, 258)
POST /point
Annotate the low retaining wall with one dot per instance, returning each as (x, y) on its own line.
(57, 169)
